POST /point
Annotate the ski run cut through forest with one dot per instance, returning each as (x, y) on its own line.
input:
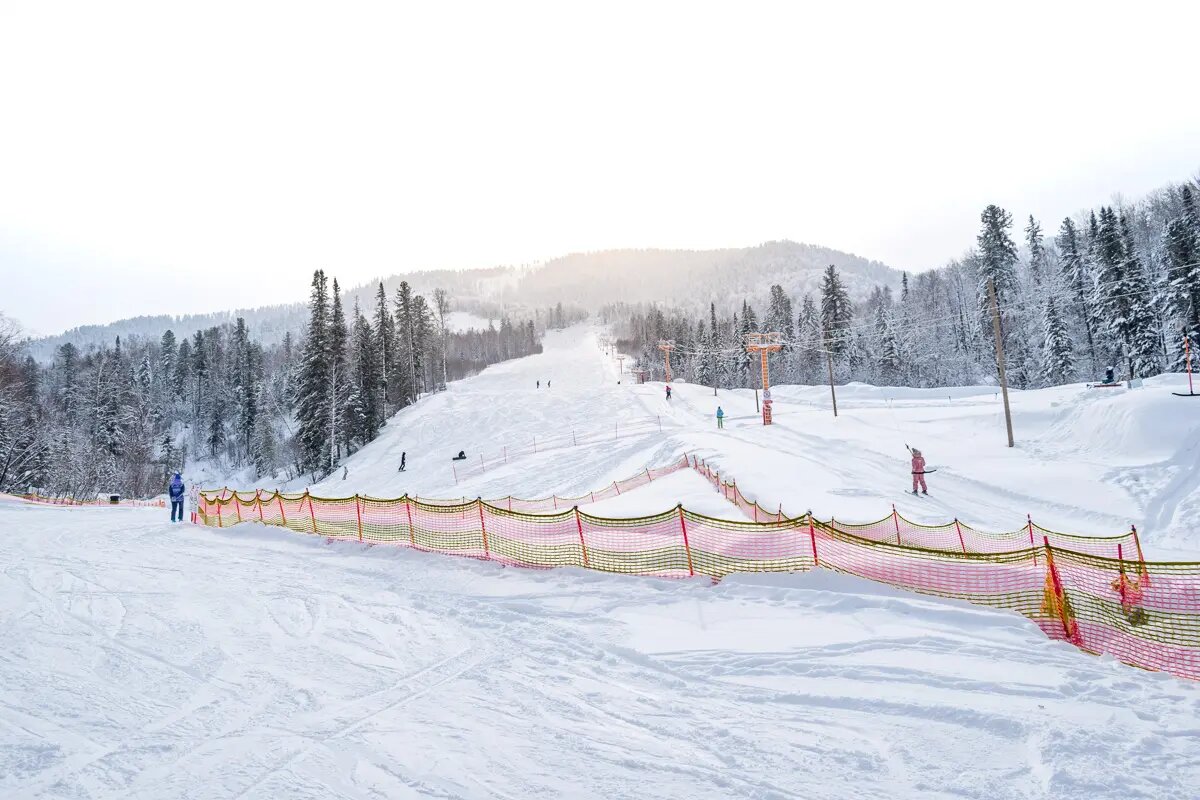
(148, 660)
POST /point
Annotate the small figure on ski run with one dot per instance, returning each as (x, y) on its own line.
(345, 472)
(720, 418)
(547, 384)
(668, 392)
(539, 384)
(403, 455)
(918, 471)
(462, 456)
(176, 491)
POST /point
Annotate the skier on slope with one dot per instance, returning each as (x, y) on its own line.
(720, 418)
(403, 456)
(668, 392)
(176, 490)
(918, 471)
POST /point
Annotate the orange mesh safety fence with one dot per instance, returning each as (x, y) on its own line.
(954, 535)
(1143, 613)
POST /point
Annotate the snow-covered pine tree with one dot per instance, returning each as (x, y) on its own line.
(441, 307)
(808, 333)
(367, 378)
(836, 312)
(312, 388)
(888, 361)
(339, 380)
(385, 332)
(1145, 344)
(1077, 278)
(1182, 263)
(1058, 362)
(996, 262)
(1037, 251)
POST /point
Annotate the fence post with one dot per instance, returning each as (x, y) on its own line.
(756, 511)
(312, 514)
(582, 545)
(1060, 597)
(1032, 546)
(237, 506)
(482, 468)
(1143, 575)
(358, 513)
(618, 488)
(958, 528)
(1122, 582)
(505, 454)
(896, 522)
(812, 533)
(686, 547)
(554, 499)
(649, 477)
(593, 494)
(534, 443)
(573, 442)
(659, 418)
(220, 522)
(483, 527)
(282, 515)
(455, 471)
(412, 537)
(258, 502)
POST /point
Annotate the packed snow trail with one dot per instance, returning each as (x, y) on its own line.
(1085, 462)
(150, 660)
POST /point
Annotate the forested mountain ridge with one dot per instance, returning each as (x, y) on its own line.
(688, 278)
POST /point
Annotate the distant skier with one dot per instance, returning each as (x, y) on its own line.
(403, 455)
(176, 490)
(720, 418)
(539, 384)
(547, 384)
(345, 472)
(668, 392)
(918, 471)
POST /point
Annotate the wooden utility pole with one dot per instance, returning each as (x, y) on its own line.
(667, 345)
(763, 344)
(832, 393)
(1000, 358)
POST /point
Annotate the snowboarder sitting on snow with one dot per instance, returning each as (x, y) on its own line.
(918, 471)
(462, 456)
(720, 417)
(176, 491)
(668, 392)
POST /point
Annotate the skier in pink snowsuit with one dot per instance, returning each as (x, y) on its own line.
(918, 471)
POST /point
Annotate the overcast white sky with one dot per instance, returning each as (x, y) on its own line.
(163, 158)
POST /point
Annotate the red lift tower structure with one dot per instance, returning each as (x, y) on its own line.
(667, 345)
(763, 344)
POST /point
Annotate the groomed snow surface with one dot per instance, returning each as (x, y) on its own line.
(142, 659)
(145, 660)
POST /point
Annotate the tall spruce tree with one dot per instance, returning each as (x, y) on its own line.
(312, 387)
(836, 312)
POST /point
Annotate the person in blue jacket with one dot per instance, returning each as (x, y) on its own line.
(720, 417)
(176, 492)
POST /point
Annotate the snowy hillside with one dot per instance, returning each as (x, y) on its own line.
(1086, 461)
(147, 661)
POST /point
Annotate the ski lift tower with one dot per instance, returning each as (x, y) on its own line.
(764, 343)
(620, 365)
(667, 345)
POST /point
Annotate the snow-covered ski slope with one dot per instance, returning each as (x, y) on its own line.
(143, 660)
(1087, 461)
